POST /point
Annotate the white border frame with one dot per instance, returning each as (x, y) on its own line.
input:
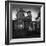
(28, 39)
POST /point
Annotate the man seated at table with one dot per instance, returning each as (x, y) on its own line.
(28, 24)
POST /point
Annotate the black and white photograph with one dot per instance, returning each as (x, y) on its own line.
(24, 22)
